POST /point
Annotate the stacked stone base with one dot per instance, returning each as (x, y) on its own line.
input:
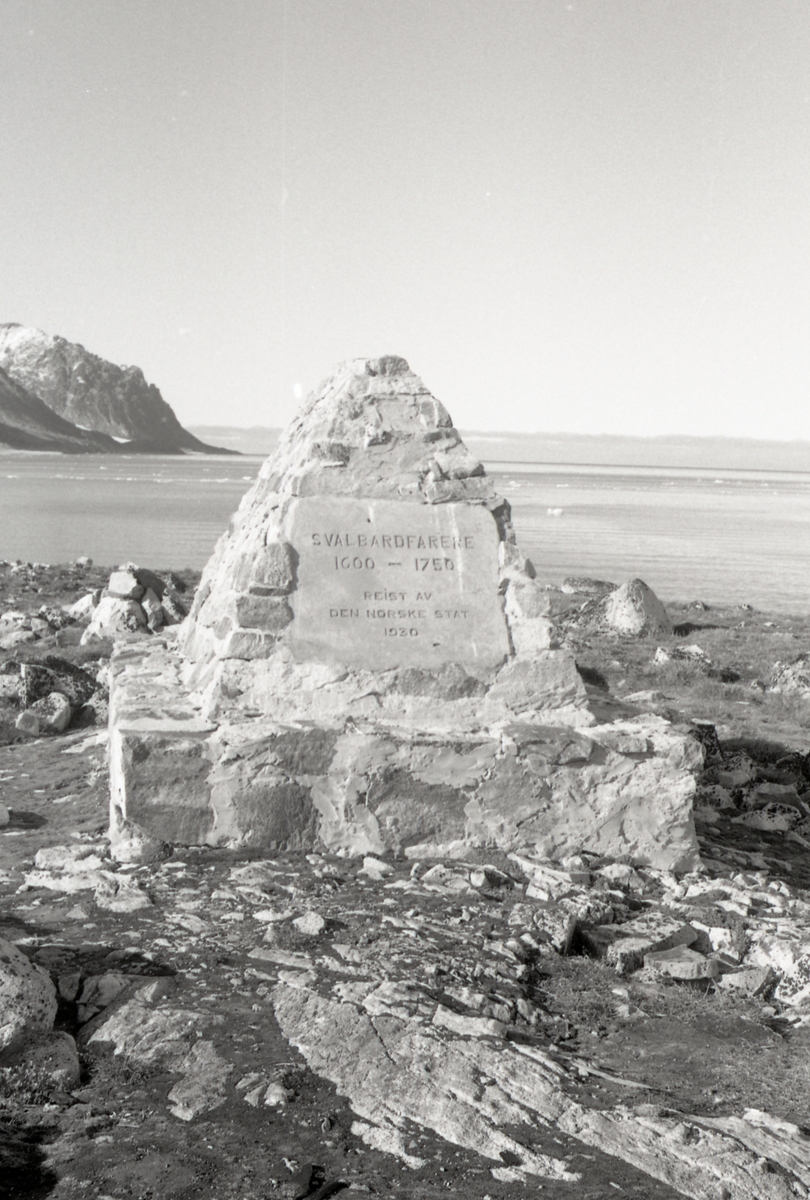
(364, 786)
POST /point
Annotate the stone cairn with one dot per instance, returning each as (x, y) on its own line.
(368, 665)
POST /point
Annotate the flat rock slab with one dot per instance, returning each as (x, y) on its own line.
(383, 583)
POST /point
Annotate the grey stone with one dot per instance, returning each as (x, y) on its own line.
(53, 713)
(385, 584)
(113, 616)
(27, 997)
(270, 571)
(153, 610)
(57, 675)
(271, 613)
(124, 585)
(53, 1054)
(634, 610)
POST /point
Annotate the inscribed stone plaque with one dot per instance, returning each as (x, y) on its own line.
(387, 583)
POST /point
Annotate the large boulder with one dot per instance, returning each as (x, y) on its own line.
(634, 610)
(27, 998)
(792, 678)
(51, 714)
(113, 617)
(57, 675)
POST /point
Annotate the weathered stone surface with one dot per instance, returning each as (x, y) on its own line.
(27, 997)
(112, 616)
(682, 963)
(269, 572)
(522, 785)
(124, 585)
(53, 713)
(635, 611)
(270, 613)
(373, 434)
(792, 678)
(395, 1069)
(53, 1054)
(130, 843)
(153, 610)
(386, 584)
(169, 1038)
(88, 393)
(57, 675)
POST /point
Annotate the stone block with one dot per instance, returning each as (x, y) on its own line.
(112, 616)
(268, 571)
(159, 778)
(555, 926)
(381, 669)
(750, 981)
(124, 585)
(51, 714)
(153, 610)
(385, 584)
(247, 643)
(683, 963)
(57, 675)
(271, 613)
(549, 681)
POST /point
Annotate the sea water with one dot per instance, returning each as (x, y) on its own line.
(724, 536)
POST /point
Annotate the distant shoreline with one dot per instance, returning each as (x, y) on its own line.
(668, 451)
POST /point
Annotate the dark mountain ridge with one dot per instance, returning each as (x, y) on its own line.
(26, 423)
(115, 404)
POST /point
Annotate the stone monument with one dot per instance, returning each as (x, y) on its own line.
(368, 665)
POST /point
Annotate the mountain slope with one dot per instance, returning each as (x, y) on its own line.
(94, 394)
(26, 423)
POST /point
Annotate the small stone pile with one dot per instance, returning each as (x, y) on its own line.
(136, 600)
(51, 693)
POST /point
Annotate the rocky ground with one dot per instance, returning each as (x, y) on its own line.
(294, 1026)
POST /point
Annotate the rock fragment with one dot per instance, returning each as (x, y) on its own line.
(27, 997)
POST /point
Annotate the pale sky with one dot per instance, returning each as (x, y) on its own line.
(568, 215)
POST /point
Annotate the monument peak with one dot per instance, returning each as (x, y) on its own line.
(371, 537)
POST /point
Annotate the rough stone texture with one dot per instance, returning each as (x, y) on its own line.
(53, 1053)
(91, 392)
(289, 780)
(372, 433)
(124, 585)
(635, 611)
(53, 713)
(469, 1088)
(792, 678)
(132, 844)
(112, 616)
(57, 675)
(27, 997)
(369, 664)
(168, 1039)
